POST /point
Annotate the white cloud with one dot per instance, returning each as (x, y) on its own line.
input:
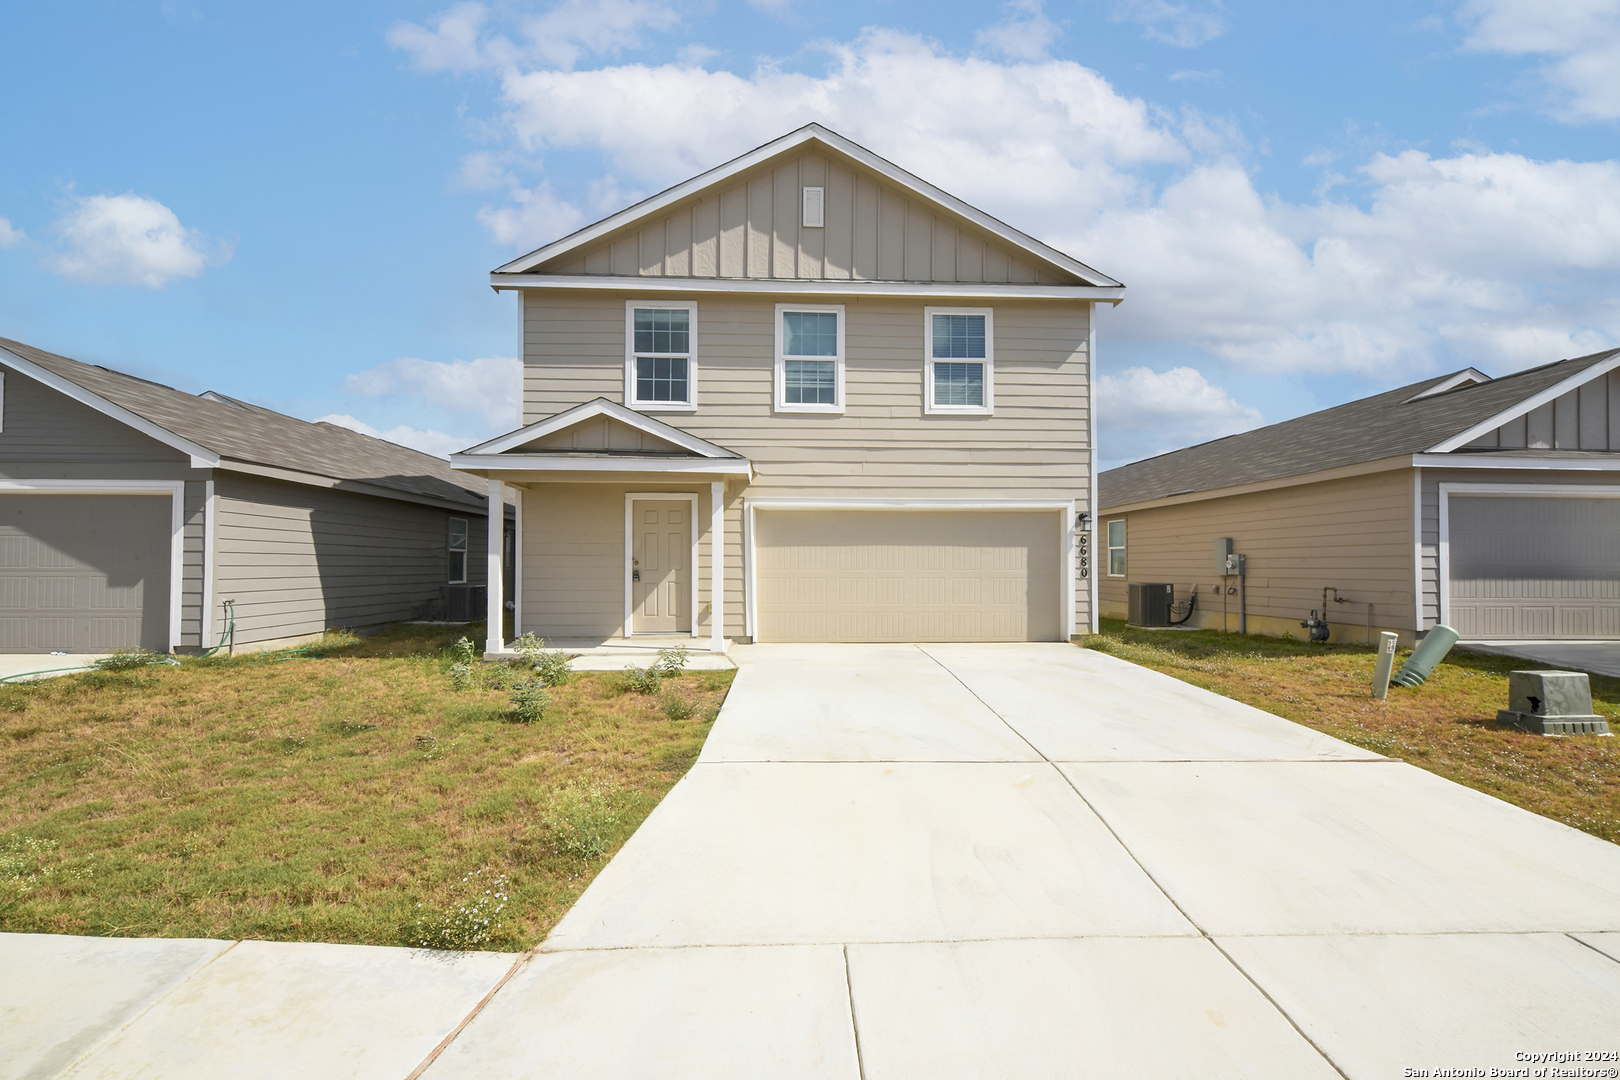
(1142, 412)
(1025, 34)
(539, 217)
(10, 235)
(1581, 38)
(1170, 24)
(1194, 76)
(436, 443)
(557, 37)
(129, 239)
(488, 388)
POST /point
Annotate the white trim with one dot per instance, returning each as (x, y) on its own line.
(1092, 440)
(175, 489)
(1417, 550)
(601, 406)
(1610, 463)
(1556, 390)
(818, 220)
(210, 554)
(1529, 491)
(691, 500)
(949, 290)
(748, 568)
(517, 563)
(494, 608)
(537, 463)
(201, 456)
(837, 407)
(808, 133)
(1108, 548)
(690, 404)
(989, 361)
(1066, 542)
(717, 566)
(908, 504)
(1468, 375)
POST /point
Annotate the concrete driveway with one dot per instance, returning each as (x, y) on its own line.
(962, 861)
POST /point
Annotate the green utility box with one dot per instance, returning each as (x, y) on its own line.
(1551, 703)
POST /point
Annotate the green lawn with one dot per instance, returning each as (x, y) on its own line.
(348, 793)
(1447, 725)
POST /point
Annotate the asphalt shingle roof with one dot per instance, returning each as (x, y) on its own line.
(258, 436)
(1384, 425)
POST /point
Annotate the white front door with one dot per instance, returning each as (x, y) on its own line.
(661, 549)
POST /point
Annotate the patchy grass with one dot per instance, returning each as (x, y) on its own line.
(1447, 725)
(345, 792)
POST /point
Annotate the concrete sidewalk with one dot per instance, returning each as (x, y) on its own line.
(939, 861)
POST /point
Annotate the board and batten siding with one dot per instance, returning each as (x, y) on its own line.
(753, 228)
(1586, 418)
(1432, 478)
(298, 559)
(1353, 534)
(46, 435)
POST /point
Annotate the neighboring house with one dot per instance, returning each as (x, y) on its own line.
(1490, 505)
(130, 512)
(805, 396)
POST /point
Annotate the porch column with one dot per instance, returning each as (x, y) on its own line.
(717, 565)
(497, 527)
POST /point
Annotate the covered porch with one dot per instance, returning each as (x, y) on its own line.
(621, 539)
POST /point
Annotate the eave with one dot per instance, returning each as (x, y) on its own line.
(807, 287)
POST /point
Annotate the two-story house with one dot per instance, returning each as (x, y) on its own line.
(804, 396)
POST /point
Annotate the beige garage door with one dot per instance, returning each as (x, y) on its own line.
(84, 573)
(879, 575)
(1534, 567)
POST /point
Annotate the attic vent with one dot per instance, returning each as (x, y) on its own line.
(815, 200)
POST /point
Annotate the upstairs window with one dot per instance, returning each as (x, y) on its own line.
(458, 550)
(809, 358)
(659, 370)
(958, 355)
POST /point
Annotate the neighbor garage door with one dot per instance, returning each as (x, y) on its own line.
(878, 575)
(84, 573)
(1534, 567)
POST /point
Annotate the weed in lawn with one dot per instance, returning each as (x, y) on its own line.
(529, 701)
(30, 862)
(552, 666)
(428, 746)
(645, 680)
(463, 652)
(671, 662)
(710, 681)
(470, 922)
(676, 705)
(582, 819)
(461, 676)
(292, 741)
(127, 660)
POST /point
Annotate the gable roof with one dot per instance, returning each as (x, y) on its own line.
(518, 440)
(1415, 419)
(217, 434)
(831, 140)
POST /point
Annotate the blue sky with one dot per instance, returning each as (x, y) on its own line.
(298, 204)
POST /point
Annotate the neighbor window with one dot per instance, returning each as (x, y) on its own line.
(458, 550)
(659, 371)
(958, 353)
(809, 359)
(1116, 548)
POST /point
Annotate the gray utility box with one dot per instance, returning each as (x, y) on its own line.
(1551, 703)
(465, 603)
(1150, 604)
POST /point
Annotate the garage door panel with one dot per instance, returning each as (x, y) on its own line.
(84, 573)
(1534, 566)
(852, 575)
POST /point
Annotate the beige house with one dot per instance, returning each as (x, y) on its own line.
(137, 515)
(1489, 505)
(805, 396)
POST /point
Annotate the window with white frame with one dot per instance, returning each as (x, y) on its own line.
(660, 371)
(458, 550)
(809, 358)
(1116, 548)
(959, 358)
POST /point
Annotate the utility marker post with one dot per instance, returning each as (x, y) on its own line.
(1386, 661)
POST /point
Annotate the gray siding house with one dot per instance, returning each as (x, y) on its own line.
(131, 512)
(805, 396)
(1490, 505)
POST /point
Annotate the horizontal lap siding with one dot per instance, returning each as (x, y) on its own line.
(752, 228)
(298, 560)
(1353, 534)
